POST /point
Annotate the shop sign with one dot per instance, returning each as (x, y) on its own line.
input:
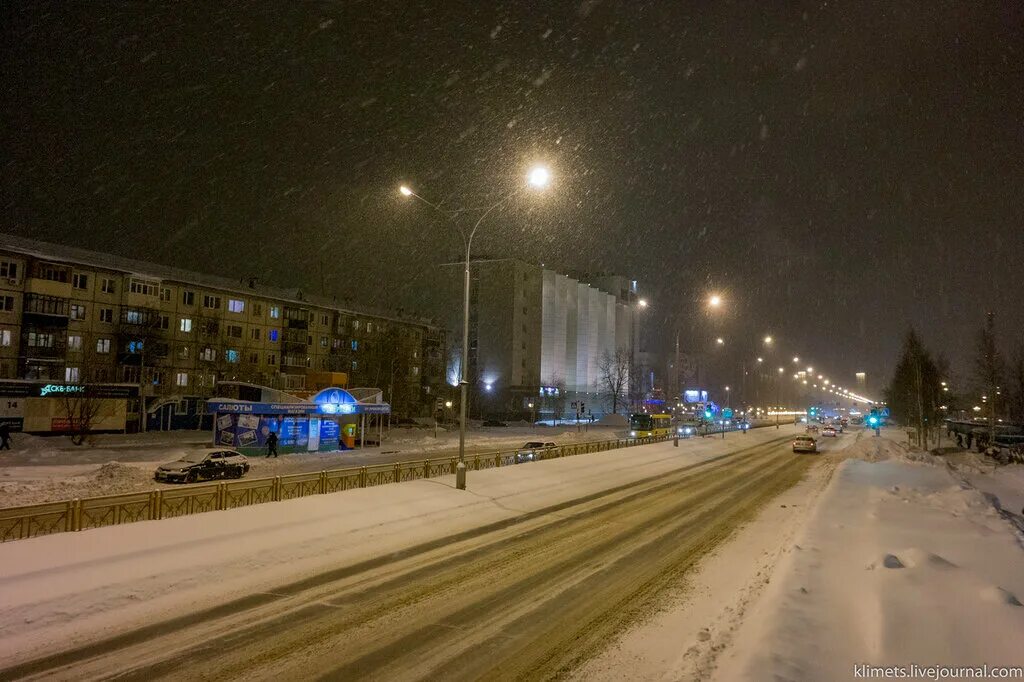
(61, 388)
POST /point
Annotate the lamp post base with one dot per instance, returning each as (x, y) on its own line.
(460, 475)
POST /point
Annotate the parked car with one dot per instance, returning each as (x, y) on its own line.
(203, 465)
(533, 451)
(805, 444)
(494, 422)
(829, 431)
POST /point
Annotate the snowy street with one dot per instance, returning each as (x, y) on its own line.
(721, 558)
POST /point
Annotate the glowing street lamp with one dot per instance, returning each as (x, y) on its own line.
(714, 300)
(768, 340)
(538, 177)
(720, 341)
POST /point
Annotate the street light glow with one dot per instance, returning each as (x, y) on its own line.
(768, 340)
(406, 192)
(720, 341)
(795, 359)
(539, 177)
(715, 301)
(760, 359)
(642, 303)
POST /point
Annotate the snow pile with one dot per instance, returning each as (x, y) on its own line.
(900, 563)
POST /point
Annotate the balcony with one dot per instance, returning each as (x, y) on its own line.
(49, 310)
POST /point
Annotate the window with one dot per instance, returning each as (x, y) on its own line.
(275, 311)
(254, 358)
(234, 331)
(77, 311)
(415, 371)
(40, 339)
(157, 378)
(71, 375)
(165, 294)
(257, 309)
(208, 354)
(231, 355)
(356, 324)
(107, 286)
(8, 269)
(5, 337)
(107, 315)
(309, 340)
(211, 302)
(271, 359)
(272, 335)
(80, 281)
(369, 327)
(7, 303)
(181, 379)
(74, 342)
(188, 298)
(255, 333)
(53, 273)
(185, 325)
(355, 365)
(130, 374)
(355, 345)
(102, 345)
(323, 342)
(184, 352)
(144, 288)
(235, 306)
(132, 316)
(165, 322)
(323, 320)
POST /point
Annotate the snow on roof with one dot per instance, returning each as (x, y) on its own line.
(62, 253)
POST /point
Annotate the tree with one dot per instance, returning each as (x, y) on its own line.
(614, 370)
(79, 401)
(554, 401)
(1016, 385)
(914, 394)
(988, 369)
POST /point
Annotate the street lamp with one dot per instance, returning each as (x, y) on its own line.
(720, 341)
(538, 177)
(714, 300)
(796, 359)
(768, 340)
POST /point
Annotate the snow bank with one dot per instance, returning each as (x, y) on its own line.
(902, 562)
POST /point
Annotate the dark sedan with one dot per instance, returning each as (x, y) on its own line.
(203, 465)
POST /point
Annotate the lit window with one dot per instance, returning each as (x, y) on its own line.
(186, 325)
(355, 345)
(102, 345)
(77, 311)
(235, 306)
(208, 354)
(74, 342)
(275, 311)
(71, 375)
(5, 337)
(272, 335)
(181, 379)
(231, 355)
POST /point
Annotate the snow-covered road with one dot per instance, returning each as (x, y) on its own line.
(526, 574)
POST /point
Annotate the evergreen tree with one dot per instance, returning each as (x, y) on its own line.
(915, 392)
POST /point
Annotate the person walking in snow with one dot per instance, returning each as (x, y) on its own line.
(272, 445)
(5, 437)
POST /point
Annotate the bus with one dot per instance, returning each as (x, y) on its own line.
(646, 425)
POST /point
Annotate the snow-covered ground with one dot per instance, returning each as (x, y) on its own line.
(77, 587)
(883, 557)
(45, 469)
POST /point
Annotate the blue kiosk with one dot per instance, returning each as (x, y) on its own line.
(331, 420)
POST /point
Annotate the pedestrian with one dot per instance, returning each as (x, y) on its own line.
(272, 445)
(5, 437)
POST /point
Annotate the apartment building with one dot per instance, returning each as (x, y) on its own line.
(534, 332)
(72, 317)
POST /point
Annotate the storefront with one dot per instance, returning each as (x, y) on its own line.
(329, 421)
(43, 407)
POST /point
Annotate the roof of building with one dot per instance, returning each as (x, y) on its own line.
(62, 253)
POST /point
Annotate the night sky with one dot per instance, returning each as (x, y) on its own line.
(839, 170)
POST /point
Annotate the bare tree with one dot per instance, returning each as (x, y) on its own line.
(1016, 387)
(80, 406)
(988, 364)
(614, 374)
(555, 403)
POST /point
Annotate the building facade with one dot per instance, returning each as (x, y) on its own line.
(74, 317)
(534, 332)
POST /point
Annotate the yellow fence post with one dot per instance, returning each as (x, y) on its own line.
(362, 477)
(76, 514)
(426, 468)
(323, 482)
(275, 489)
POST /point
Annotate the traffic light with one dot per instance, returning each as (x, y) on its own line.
(873, 420)
(707, 414)
(813, 411)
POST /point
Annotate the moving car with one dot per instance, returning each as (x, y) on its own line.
(829, 431)
(533, 451)
(203, 465)
(805, 444)
(812, 428)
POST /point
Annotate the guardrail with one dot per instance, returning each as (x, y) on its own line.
(18, 523)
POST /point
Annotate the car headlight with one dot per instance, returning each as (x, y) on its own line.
(632, 433)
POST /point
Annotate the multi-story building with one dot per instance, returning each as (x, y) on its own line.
(532, 332)
(69, 316)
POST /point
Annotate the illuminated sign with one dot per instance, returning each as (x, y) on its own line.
(60, 388)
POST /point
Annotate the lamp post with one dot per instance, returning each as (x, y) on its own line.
(778, 395)
(641, 304)
(538, 177)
